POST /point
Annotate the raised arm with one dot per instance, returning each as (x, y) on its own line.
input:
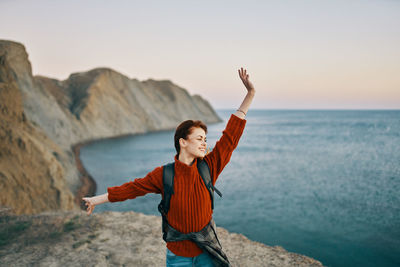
(244, 107)
(221, 154)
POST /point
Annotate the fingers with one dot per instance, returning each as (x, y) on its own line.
(245, 78)
(243, 74)
(89, 205)
(89, 209)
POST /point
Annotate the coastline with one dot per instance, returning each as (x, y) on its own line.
(240, 249)
(88, 185)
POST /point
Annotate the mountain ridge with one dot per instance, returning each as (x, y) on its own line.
(90, 105)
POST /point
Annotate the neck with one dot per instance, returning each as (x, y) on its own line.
(185, 158)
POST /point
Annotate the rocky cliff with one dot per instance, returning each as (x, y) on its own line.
(115, 239)
(43, 119)
(32, 176)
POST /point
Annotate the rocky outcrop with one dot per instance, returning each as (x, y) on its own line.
(44, 121)
(116, 239)
(32, 176)
(102, 103)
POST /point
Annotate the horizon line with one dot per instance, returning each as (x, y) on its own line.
(316, 109)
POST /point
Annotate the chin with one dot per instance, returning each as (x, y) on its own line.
(199, 155)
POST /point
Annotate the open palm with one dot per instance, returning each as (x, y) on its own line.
(245, 79)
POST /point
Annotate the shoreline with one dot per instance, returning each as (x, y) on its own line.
(88, 185)
(276, 254)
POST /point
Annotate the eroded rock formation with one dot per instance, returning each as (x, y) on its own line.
(43, 119)
(32, 176)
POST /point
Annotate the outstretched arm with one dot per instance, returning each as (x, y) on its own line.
(151, 183)
(244, 107)
(91, 202)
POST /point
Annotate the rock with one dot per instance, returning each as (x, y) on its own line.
(45, 121)
(32, 179)
(117, 239)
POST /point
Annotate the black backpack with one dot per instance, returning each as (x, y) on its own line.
(168, 183)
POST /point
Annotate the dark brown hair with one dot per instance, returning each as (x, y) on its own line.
(184, 129)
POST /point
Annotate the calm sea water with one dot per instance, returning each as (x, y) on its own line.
(320, 183)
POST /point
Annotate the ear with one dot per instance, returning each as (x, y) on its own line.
(182, 142)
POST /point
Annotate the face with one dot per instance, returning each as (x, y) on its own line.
(196, 143)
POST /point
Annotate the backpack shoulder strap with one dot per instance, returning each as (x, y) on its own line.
(168, 184)
(205, 174)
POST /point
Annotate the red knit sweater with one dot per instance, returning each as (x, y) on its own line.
(190, 204)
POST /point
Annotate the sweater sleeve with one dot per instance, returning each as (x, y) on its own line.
(151, 183)
(221, 154)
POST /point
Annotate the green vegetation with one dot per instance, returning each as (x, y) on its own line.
(80, 243)
(22, 231)
(69, 226)
(12, 230)
(55, 234)
(92, 236)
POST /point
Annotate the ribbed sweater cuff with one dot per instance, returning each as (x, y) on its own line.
(111, 196)
(235, 125)
(118, 193)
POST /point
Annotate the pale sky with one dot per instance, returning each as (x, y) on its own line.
(299, 54)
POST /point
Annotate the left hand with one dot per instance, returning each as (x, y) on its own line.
(245, 79)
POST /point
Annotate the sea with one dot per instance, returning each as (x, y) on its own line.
(322, 183)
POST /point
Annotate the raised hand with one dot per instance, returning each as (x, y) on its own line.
(245, 79)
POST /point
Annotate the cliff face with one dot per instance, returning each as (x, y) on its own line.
(43, 118)
(31, 173)
(102, 103)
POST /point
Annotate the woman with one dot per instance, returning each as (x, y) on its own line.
(191, 210)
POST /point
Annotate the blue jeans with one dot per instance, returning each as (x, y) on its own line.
(202, 260)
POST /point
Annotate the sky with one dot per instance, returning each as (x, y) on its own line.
(299, 54)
